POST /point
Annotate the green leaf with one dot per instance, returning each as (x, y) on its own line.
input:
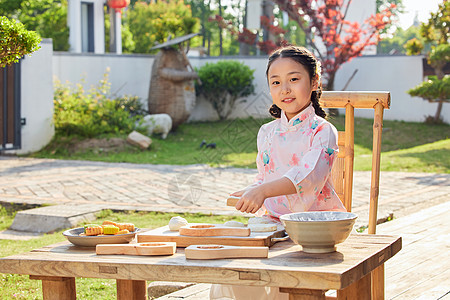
(15, 41)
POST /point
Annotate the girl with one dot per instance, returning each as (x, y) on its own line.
(295, 153)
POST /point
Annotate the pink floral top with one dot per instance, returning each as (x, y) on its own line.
(303, 150)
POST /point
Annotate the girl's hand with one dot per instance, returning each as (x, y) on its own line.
(238, 193)
(251, 200)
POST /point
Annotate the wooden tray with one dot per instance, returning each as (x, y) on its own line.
(221, 251)
(213, 230)
(167, 248)
(163, 234)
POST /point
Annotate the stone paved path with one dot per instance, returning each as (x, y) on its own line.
(192, 188)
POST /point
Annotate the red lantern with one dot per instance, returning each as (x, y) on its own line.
(117, 5)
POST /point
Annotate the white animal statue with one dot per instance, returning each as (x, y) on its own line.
(158, 123)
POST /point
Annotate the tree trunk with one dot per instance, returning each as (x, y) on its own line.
(220, 31)
(440, 75)
(437, 116)
(333, 112)
(330, 83)
(244, 48)
(203, 30)
(267, 12)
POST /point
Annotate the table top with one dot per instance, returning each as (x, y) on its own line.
(287, 266)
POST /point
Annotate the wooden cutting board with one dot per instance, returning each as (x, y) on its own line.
(213, 230)
(223, 251)
(163, 234)
(152, 248)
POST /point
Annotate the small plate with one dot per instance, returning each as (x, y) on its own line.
(73, 235)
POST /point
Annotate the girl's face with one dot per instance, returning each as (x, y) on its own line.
(290, 86)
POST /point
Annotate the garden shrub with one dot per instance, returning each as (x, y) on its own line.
(223, 83)
(92, 113)
(15, 41)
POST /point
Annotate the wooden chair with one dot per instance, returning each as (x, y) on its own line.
(342, 172)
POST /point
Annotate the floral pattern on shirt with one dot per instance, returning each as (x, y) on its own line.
(302, 150)
(269, 166)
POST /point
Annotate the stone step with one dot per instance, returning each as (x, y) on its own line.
(53, 218)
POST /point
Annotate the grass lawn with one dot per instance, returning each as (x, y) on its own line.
(406, 146)
(13, 286)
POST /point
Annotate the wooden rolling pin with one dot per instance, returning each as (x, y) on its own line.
(232, 200)
(222, 251)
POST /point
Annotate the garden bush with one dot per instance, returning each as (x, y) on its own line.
(15, 41)
(92, 113)
(223, 83)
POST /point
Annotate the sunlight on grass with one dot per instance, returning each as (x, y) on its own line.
(241, 160)
(432, 158)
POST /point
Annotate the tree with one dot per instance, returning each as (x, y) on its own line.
(395, 44)
(433, 90)
(15, 41)
(396, 10)
(202, 10)
(333, 39)
(47, 17)
(437, 33)
(215, 39)
(153, 23)
(8, 8)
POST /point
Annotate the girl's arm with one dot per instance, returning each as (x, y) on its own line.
(252, 199)
(307, 178)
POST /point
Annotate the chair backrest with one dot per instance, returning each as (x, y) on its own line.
(342, 172)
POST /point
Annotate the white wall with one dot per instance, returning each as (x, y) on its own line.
(128, 74)
(37, 99)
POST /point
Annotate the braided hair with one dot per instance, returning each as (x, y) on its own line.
(312, 65)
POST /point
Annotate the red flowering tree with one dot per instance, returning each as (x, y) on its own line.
(334, 39)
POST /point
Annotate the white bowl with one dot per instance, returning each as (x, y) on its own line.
(319, 231)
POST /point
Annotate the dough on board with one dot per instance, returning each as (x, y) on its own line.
(259, 220)
(263, 227)
(176, 222)
(234, 224)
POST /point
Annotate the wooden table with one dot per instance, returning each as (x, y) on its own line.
(302, 275)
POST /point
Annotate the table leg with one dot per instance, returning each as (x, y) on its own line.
(56, 288)
(131, 289)
(304, 294)
(360, 290)
(378, 283)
